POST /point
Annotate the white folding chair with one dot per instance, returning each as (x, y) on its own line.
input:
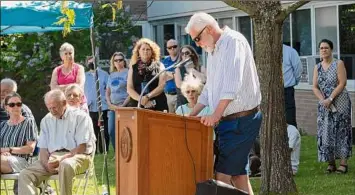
(90, 172)
(14, 176)
(9, 176)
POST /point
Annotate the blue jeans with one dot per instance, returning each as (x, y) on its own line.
(111, 127)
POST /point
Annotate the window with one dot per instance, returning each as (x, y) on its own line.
(326, 26)
(225, 22)
(244, 27)
(347, 38)
(169, 33)
(302, 32)
(286, 32)
(155, 33)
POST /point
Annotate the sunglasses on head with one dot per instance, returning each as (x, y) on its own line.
(174, 46)
(18, 104)
(186, 53)
(198, 37)
(190, 91)
(118, 60)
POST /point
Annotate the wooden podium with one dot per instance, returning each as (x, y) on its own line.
(152, 153)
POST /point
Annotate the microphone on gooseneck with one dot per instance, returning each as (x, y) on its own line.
(185, 62)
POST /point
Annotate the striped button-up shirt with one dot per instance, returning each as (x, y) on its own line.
(231, 74)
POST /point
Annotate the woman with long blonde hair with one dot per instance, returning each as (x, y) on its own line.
(145, 64)
(116, 91)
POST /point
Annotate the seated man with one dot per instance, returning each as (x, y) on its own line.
(8, 86)
(66, 141)
(294, 142)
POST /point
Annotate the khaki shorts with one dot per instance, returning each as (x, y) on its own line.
(17, 163)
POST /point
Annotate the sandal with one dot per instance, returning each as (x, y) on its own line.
(342, 171)
(331, 168)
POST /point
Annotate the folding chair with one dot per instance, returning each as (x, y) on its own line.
(14, 176)
(90, 172)
(9, 176)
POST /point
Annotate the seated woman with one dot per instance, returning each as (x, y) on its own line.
(185, 52)
(144, 65)
(18, 136)
(74, 96)
(191, 88)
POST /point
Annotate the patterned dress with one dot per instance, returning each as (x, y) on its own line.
(334, 127)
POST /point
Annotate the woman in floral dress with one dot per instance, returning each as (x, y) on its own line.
(334, 110)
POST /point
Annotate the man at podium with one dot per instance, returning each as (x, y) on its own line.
(232, 92)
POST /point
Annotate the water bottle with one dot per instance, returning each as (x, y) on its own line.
(104, 190)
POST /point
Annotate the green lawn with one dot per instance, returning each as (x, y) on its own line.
(310, 180)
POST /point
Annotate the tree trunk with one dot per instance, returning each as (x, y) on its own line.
(275, 155)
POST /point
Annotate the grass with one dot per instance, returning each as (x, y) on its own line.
(310, 179)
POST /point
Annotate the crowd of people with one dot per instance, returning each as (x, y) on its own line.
(70, 133)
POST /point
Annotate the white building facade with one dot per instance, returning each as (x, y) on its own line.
(303, 29)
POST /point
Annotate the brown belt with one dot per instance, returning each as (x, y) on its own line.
(240, 114)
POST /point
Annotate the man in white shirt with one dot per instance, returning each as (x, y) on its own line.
(232, 92)
(66, 141)
(294, 142)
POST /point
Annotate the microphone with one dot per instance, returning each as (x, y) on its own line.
(185, 62)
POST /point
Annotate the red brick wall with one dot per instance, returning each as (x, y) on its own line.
(306, 106)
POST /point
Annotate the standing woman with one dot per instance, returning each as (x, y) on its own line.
(69, 72)
(116, 91)
(145, 64)
(185, 52)
(334, 110)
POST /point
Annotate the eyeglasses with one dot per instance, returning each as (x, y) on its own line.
(190, 91)
(186, 53)
(198, 37)
(72, 95)
(174, 46)
(118, 60)
(324, 48)
(18, 104)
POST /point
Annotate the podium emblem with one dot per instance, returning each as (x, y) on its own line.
(126, 144)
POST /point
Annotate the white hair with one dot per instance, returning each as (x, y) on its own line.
(72, 87)
(55, 94)
(10, 82)
(191, 82)
(200, 20)
(66, 47)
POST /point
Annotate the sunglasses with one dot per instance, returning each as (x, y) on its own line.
(186, 53)
(174, 46)
(190, 91)
(198, 37)
(118, 60)
(18, 104)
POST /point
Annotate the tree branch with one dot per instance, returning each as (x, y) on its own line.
(246, 6)
(285, 12)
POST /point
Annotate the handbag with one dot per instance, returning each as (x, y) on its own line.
(213, 187)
